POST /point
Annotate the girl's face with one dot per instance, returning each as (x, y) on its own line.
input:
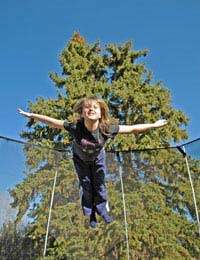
(91, 110)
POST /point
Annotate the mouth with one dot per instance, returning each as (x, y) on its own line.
(91, 113)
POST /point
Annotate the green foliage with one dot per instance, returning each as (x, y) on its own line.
(158, 197)
(15, 245)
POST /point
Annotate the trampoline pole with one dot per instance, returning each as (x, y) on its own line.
(124, 205)
(192, 187)
(50, 209)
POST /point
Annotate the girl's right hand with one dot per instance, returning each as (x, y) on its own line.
(23, 113)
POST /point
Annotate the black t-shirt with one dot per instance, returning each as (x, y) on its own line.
(87, 145)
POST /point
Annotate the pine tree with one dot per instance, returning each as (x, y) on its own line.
(157, 190)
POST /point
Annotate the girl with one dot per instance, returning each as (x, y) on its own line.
(90, 132)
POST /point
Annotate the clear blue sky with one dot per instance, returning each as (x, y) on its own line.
(33, 34)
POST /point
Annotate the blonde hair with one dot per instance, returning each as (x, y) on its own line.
(103, 121)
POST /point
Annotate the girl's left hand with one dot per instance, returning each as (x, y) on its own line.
(160, 123)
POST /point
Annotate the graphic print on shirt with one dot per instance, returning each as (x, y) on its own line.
(90, 146)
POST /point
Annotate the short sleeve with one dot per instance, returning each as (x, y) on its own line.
(112, 130)
(70, 127)
(66, 125)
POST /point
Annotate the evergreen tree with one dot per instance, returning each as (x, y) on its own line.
(157, 190)
(14, 244)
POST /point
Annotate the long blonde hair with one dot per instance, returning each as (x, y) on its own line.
(103, 121)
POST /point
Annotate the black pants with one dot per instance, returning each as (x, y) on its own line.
(91, 176)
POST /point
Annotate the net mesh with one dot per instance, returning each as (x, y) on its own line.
(160, 212)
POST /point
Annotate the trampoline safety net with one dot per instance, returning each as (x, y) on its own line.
(153, 197)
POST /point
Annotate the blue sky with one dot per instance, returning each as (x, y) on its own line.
(33, 34)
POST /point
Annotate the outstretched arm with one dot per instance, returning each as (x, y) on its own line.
(128, 129)
(44, 119)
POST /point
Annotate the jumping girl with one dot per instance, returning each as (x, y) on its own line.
(90, 132)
